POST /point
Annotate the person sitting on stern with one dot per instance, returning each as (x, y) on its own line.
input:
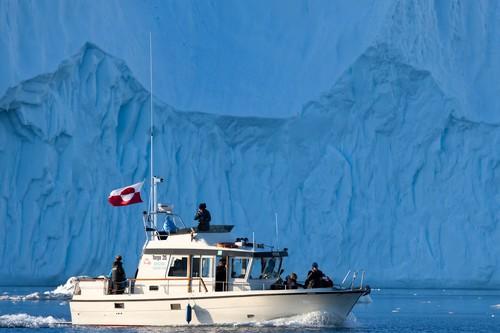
(118, 277)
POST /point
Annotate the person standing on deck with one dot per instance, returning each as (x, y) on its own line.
(118, 277)
(220, 276)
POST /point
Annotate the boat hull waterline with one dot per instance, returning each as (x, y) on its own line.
(230, 308)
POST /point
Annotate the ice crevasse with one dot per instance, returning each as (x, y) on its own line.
(382, 173)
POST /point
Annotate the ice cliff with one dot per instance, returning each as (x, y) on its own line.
(384, 172)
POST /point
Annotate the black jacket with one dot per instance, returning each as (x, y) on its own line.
(204, 218)
(220, 278)
(117, 272)
(313, 279)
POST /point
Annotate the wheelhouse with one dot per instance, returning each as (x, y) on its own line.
(193, 261)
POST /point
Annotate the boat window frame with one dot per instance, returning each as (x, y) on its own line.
(173, 257)
(274, 273)
(210, 270)
(248, 261)
(202, 259)
(193, 259)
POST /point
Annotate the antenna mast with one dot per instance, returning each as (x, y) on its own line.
(152, 195)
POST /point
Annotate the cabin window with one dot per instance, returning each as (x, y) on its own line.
(195, 270)
(239, 267)
(206, 267)
(201, 265)
(178, 266)
(256, 271)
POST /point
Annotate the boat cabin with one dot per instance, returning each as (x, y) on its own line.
(191, 261)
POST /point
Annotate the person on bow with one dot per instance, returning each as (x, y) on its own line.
(203, 217)
(314, 277)
(118, 277)
(291, 282)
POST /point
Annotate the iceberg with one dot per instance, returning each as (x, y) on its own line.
(384, 172)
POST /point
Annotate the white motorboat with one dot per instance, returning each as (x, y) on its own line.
(176, 283)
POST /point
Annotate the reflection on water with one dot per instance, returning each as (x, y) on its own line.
(390, 311)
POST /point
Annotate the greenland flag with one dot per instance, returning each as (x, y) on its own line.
(126, 195)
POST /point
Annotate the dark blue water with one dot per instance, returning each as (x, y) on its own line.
(390, 311)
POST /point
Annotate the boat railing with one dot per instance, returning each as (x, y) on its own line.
(166, 283)
(103, 285)
(133, 284)
(354, 276)
(176, 285)
(191, 283)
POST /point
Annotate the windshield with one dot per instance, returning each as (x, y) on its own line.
(265, 268)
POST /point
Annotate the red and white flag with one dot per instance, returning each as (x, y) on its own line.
(126, 195)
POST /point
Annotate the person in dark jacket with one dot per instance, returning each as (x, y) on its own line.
(118, 277)
(220, 276)
(291, 282)
(203, 217)
(314, 277)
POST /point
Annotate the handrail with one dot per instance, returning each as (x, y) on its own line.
(345, 277)
(169, 279)
(355, 275)
(164, 279)
(202, 283)
(131, 285)
(159, 279)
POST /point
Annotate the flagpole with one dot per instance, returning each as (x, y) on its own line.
(152, 195)
(276, 225)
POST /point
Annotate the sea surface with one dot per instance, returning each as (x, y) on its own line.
(29, 309)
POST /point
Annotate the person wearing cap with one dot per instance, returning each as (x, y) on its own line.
(203, 217)
(314, 277)
(118, 277)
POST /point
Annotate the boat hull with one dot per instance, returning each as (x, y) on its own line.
(215, 308)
